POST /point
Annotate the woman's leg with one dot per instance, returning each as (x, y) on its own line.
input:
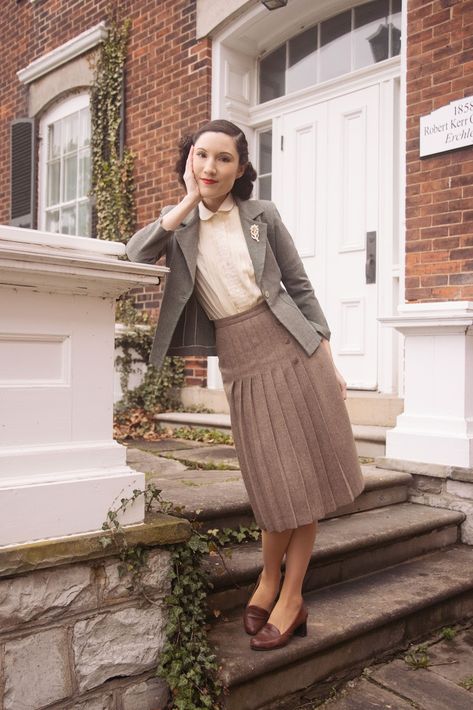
(298, 555)
(274, 547)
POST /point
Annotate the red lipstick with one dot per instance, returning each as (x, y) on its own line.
(208, 182)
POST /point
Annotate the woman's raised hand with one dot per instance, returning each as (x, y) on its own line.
(173, 219)
(341, 383)
(189, 178)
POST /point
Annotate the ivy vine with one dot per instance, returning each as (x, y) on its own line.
(159, 390)
(112, 184)
(188, 662)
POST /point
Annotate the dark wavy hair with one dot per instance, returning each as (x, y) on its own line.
(243, 186)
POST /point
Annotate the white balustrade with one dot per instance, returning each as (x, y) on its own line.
(60, 468)
(437, 423)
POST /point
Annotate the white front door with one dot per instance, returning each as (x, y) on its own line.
(329, 200)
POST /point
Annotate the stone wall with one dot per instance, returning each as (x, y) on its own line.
(440, 486)
(74, 635)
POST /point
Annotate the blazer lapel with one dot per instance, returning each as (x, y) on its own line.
(255, 233)
(188, 238)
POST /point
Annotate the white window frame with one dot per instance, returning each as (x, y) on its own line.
(69, 105)
(263, 129)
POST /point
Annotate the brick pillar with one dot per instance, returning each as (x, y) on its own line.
(439, 192)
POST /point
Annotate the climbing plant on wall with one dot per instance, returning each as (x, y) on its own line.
(112, 163)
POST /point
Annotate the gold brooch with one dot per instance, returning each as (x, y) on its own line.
(254, 231)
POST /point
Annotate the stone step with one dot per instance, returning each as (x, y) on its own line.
(345, 547)
(370, 439)
(364, 406)
(175, 420)
(218, 498)
(350, 624)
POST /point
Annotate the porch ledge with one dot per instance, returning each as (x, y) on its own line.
(456, 473)
(157, 529)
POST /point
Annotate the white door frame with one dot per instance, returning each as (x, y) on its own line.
(234, 92)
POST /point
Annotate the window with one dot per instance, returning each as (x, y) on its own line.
(356, 38)
(265, 160)
(272, 75)
(65, 168)
(302, 60)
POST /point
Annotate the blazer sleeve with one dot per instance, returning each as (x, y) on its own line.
(150, 242)
(294, 277)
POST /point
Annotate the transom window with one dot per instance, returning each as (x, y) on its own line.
(353, 39)
(66, 168)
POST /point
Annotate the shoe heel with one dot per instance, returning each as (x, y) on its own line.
(301, 630)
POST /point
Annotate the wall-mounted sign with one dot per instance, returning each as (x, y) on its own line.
(448, 127)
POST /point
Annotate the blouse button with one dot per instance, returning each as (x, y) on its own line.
(266, 294)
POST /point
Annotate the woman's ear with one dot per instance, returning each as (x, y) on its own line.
(241, 170)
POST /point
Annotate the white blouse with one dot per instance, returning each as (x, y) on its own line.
(225, 279)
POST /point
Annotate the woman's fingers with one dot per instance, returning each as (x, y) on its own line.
(189, 177)
(342, 384)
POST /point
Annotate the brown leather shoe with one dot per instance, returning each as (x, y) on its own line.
(255, 617)
(269, 636)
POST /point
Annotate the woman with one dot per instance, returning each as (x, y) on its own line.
(237, 288)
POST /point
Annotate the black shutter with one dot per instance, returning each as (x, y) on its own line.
(22, 172)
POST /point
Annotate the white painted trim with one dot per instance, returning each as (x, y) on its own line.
(63, 54)
(433, 309)
(387, 272)
(279, 25)
(402, 188)
(79, 505)
(359, 79)
(214, 376)
(57, 263)
(62, 242)
(64, 461)
(436, 425)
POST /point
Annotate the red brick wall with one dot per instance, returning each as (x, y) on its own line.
(439, 204)
(167, 90)
(196, 371)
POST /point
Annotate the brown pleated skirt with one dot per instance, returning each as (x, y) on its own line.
(290, 424)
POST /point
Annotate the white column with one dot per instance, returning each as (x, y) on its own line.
(60, 469)
(437, 423)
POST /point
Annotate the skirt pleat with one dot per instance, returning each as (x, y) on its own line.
(292, 432)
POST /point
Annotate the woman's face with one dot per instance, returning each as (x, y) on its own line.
(216, 167)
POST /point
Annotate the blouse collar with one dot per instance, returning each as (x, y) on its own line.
(226, 206)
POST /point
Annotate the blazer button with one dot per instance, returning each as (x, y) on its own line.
(266, 294)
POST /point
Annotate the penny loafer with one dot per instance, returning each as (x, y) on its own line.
(269, 636)
(255, 617)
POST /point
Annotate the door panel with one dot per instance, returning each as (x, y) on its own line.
(329, 201)
(353, 204)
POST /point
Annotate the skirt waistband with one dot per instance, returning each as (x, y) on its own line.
(253, 311)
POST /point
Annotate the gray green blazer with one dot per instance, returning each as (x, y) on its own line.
(183, 326)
